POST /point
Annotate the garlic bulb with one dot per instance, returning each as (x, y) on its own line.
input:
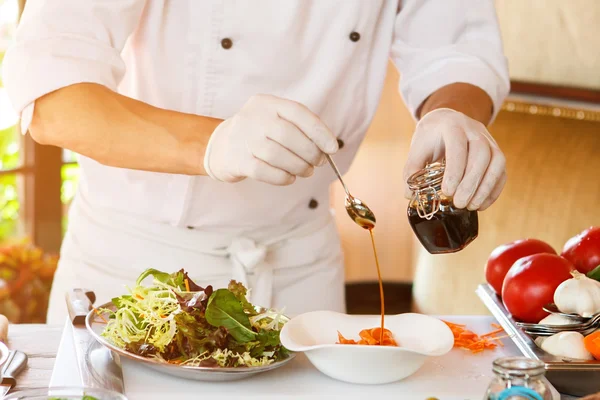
(565, 344)
(579, 295)
(556, 319)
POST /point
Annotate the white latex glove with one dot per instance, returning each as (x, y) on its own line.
(270, 139)
(475, 166)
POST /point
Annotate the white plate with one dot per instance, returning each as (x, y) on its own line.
(96, 326)
(418, 336)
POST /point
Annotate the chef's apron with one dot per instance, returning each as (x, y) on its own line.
(295, 268)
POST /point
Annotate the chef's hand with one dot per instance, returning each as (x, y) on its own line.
(475, 166)
(270, 139)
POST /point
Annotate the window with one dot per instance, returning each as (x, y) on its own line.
(37, 183)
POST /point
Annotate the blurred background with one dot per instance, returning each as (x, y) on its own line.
(549, 129)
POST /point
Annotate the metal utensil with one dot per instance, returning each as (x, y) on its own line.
(66, 393)
(16, 362)
(553, 309)
(583, 325)
(356, 209)
(534, 332)
(584, 328)
(92, 357)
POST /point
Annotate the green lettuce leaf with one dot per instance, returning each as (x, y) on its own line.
(594, 274)
(266, 341)
(176, 279)
(224, 309)
(269, 338)
(160, 276)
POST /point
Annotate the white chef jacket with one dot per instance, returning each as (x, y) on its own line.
(208, 57)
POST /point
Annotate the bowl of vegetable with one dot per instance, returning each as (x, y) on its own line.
(66, 393)
(377, 356)
(176, 327)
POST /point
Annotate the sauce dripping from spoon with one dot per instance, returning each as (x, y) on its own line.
(380, 285)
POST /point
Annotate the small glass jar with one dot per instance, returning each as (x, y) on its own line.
(518, 378)
(438, 224)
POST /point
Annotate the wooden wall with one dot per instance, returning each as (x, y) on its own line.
(552, 41)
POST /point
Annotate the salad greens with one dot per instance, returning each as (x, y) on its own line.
(175, 320)
(224, 310)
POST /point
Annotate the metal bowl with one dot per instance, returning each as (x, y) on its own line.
(214, 374)
(575, 378)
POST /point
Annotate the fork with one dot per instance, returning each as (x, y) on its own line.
(553, 309)
(584, 328)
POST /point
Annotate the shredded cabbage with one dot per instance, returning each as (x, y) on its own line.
(227, 357)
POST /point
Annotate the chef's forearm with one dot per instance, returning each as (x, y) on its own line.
(118, 131)
(466, 98)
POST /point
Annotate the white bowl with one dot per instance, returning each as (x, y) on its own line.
(418, 337)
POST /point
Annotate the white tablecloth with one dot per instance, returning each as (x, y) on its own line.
(458, 375)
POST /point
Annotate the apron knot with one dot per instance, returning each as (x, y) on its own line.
(251, 269)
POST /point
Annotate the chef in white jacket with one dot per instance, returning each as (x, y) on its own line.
(202, 128)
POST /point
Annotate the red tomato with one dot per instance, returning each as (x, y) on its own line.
(530, 284)
(503, 257)
(583, 250)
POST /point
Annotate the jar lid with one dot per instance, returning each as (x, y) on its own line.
(430, 176)
(518, 367)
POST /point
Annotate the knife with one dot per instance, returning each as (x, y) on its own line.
(98, 366)
(4, 352)
(16, 362)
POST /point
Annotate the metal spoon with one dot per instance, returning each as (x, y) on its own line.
(356, 209)
(553, 309)
(584, 328)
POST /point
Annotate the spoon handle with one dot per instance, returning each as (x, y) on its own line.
(337, 172)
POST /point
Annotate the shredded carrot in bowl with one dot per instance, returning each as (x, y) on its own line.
(463, 338)
(370, 337)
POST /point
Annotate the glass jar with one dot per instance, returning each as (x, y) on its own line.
(518, 378)
(438, 224)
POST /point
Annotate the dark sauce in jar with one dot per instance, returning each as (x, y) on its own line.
(448, 231)
(438, 224)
